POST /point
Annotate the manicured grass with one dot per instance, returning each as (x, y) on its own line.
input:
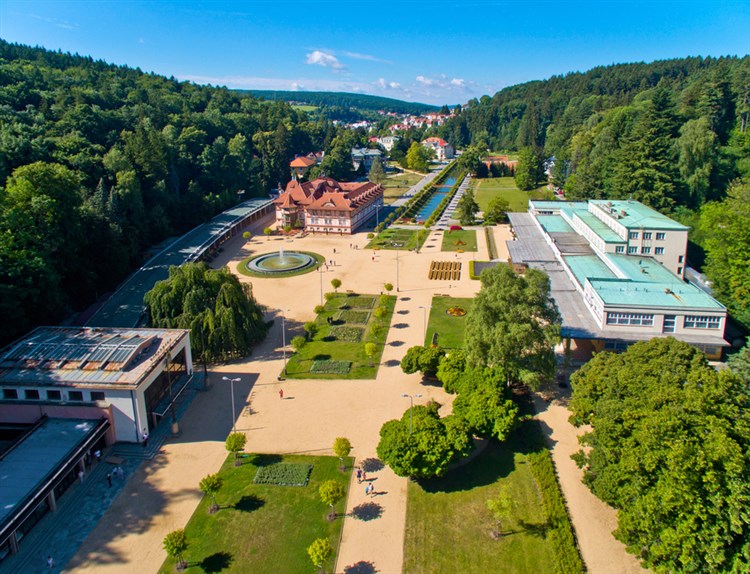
(334, 345)
(448, 525)
(489, 188)
(263, 527)
(399, 239)
(243, 269)
(467, 236)
(450, 329)
(397, 185)
(305, 107)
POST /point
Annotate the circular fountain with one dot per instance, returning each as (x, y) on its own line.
(281, 263)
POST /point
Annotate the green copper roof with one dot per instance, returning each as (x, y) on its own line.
(554, 224)
(635, 215)
(596, 225)
(588, 267)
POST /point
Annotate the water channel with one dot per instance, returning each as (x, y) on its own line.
(440, 192)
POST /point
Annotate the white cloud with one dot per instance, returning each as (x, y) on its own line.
(384, 85)
(368, 57)
(297, 87)
(458, 82)
(320, 58)
(425, 81)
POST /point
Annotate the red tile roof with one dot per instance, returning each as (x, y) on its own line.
(302, 162)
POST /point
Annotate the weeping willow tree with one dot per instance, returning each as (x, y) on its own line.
(221, 313)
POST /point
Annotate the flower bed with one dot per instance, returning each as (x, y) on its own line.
(331, 367)
(456, 311)
(284, 474)
(360, 302)
(353, 316)
(347, 333)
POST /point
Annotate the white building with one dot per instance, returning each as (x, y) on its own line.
(129, 376)
(443, 150)
(616, 270)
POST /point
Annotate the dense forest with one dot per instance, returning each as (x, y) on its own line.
(98, 162)
(346, 100)
(673, 134)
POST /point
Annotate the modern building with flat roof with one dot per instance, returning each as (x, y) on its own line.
(38, 467)
(616, 270)
(131, 377)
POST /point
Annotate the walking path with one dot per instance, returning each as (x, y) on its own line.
(163, 493)
(447, 215)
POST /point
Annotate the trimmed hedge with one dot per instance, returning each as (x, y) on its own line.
(560, 532)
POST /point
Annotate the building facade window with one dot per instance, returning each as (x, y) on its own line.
(633, 235)
(679, 271)
(632, 250)
(680, 259)
(10, 394)
(620, 249)
(637, 319)
(645, 250)
(97, 396)
(54, 395)
(669, 324)
(660, 236)
(659, 251)
(31, 395)
(646, 235)
(75, 395)
(701, 322)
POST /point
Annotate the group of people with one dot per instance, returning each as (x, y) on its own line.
(362, 477)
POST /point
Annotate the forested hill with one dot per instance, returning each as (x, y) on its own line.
(99, 161)
(599, 123)
(346, 100)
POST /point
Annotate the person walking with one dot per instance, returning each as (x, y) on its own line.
(80, 476)
(359, 475)
(281, 393)
(50, 563)
(144, 438)
(364, 475)
(109, 479)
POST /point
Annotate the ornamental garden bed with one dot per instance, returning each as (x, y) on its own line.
(337, 351)
(283, 474)
(346, 333)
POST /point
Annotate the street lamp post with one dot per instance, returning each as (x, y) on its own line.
(424, 321)
(320, 272)
(397, 266)
(232, 381)
(283, 337)
(411, 409)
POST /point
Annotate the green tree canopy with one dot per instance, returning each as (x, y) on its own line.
(423, 359)
(234, 443)
(224, 319)
(377, 174)
(513, 325)
(450, 369)
(467, 208)
(669, 449)
(175, 544)
(210, 485)
(320, 551)
(342, 446)
(528, 170)
(331, 492)
(417, 158)
(428, 450)
(484, 403)
(726, 227)
(497, 211)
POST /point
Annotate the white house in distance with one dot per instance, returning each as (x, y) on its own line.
(616, 270)
(129, 376)
(443, 150)
(366, 157)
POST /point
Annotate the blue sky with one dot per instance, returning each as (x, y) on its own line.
(434, 52)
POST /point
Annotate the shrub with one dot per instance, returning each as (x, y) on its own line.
(235, 443)
(329, 296)
(283, 474)
(456, 228)
(298, 343)
(319, 309)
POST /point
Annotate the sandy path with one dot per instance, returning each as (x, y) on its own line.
(593, 520)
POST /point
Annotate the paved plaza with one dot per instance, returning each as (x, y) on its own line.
(163, 493)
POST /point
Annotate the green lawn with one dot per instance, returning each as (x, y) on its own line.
(488, 189)
(468, 238)
(448, 525)
(343, 357)
(450, 329)
(263, 528)
(397, 185)
(399, 239)
(305, 107)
